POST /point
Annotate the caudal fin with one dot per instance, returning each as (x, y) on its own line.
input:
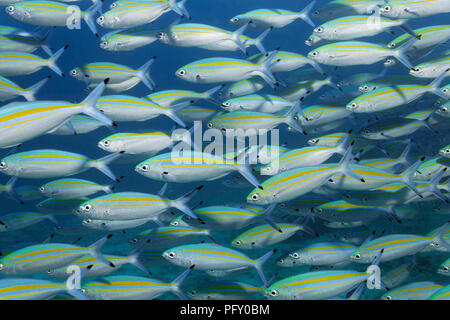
(175, 285)
(181, 203)
(291, 118)
(94, 250)
(304, 14)
(89, 15)
(90, 102)
(400, 53)
(52, 61)
(30, 92)
(435, 85)
(102, 164)
(144, 74)
(259, 264)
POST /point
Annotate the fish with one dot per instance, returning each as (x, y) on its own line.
(243, 87)
(256, 102)
(366, 26)
(319, 284)
(304, 88)
(20, 220)
(243, 122)
(398, 245)
(129, 108)
(430, 36)
(188, 166)
(142, 142)
(124, 287)
(390, 97)
(50, 163)
(129, 14)
(133, 205)
(408, 9)
(21, 40)
(78, 125)
(170, 98)
(129, 39)
(94, 268)
(223, 290)
(342, 8)
(220, 70)
(20, 122)
(42, 257)
(10, 90)
(294, 183)
(266, 235)
(318, 254)
(431, 69)
(207, 256)
(96, 72)
(399, 274)
(35, 289)
(350, 53)
(277, 18)
(285, 61)
(303, 157)
(73, 188)
(54, 13)
(413, 291)
(16, 63)
(211, 37)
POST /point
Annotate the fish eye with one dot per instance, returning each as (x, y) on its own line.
(193, 293)
(255, 196)
(315, 53)
(353, 105)
(78, 211)
(314, 140)
(274, 293)
(348, 196)
(387, 8)
(237, 242)
(73, 72)
(445, 90)
(83, 291)
(10, 9)
(295, 255)
(41, 189)
(447, 150)
(104, 44)
(210, 125)
(171, 254)
(388, 298)
(87, 207)
(144, 167)
(357, 256)
(175, 223)
(445, 268)
(318, 30)
(366, 131)
(316, 12)
(106, 143)
(319, 210)
(1, 266)
(49, 271)
(392, 45)
(181, 72)
(113, 5)
(235, 19)
(282, 205)
(134, 240)
(253, 243)
(88, 221)
(417, 69)
(281, 261)
(101, 19)
(227, 104)
(3, 165)
(160, 34)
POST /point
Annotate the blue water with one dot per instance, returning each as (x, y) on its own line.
(84, 48)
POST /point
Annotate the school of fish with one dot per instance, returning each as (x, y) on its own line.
(348, 198)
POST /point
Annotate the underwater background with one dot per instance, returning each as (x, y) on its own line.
(84, 48)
